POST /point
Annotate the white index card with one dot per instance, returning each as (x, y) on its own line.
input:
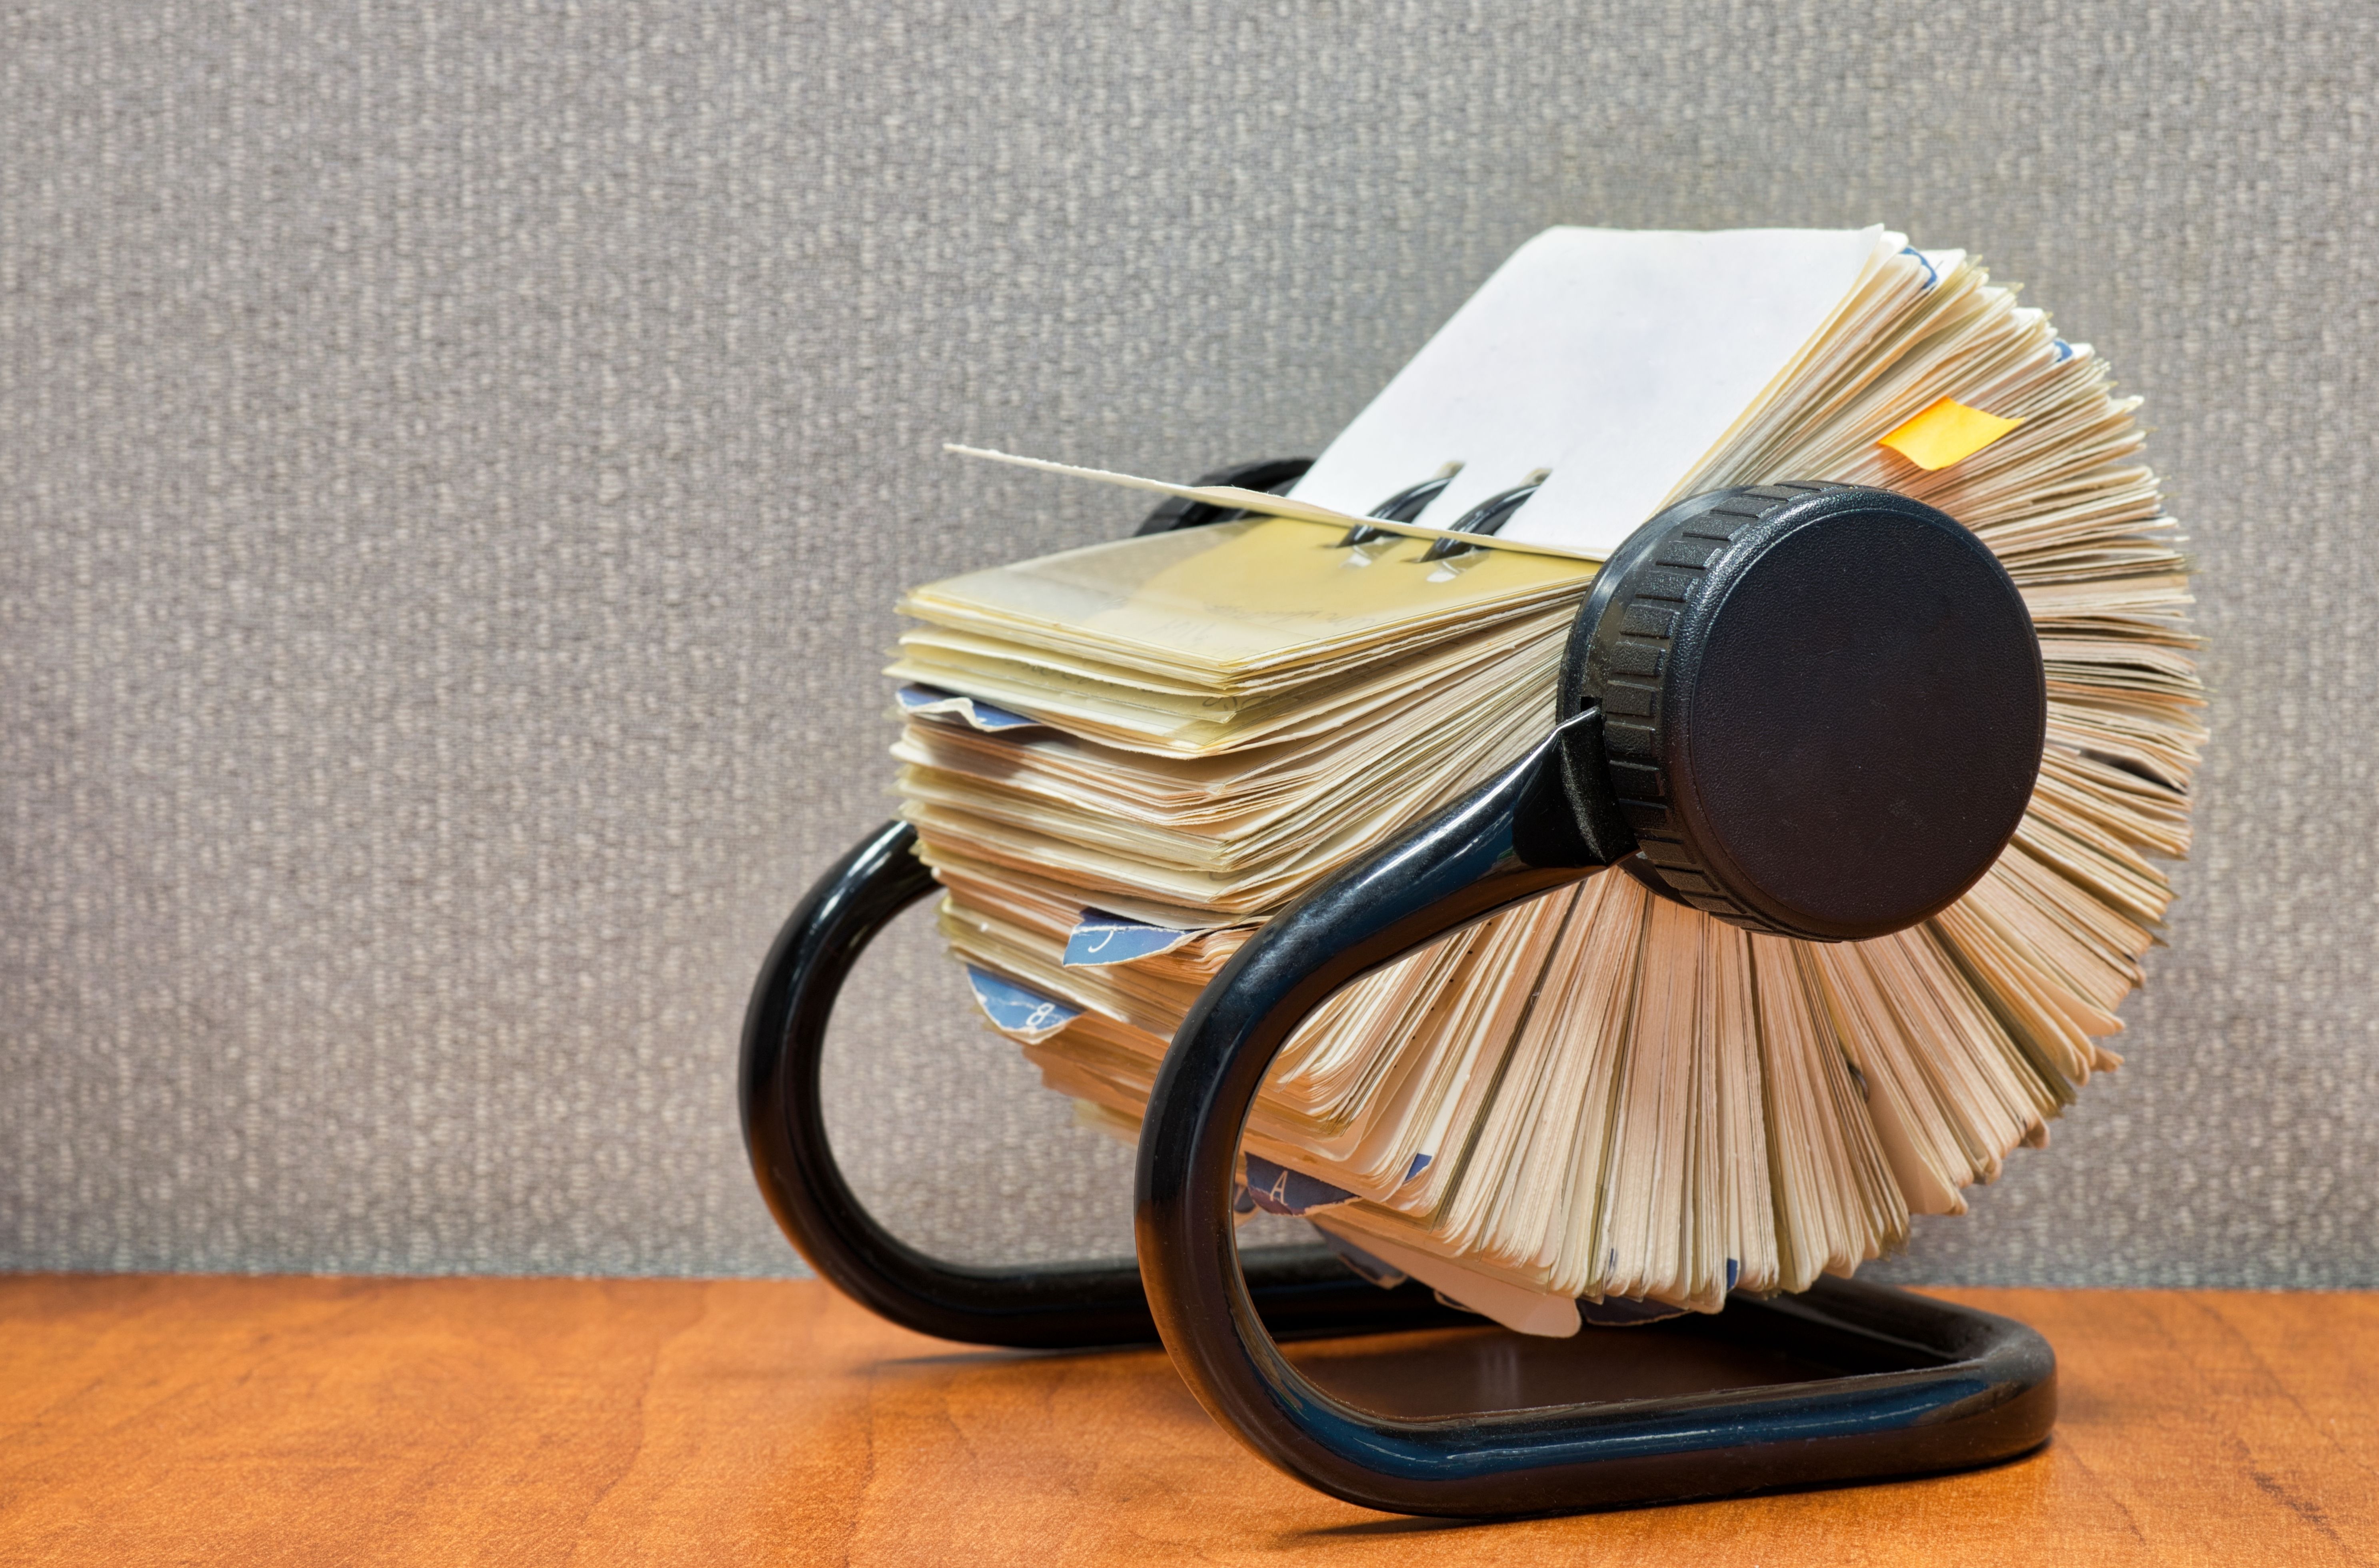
(1615, 358)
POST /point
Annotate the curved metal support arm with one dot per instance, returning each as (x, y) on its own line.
(1299, 1290)
(1938, 1387)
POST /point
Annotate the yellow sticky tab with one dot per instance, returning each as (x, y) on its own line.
(1948, 432)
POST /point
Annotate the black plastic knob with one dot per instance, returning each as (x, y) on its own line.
(1822, 706)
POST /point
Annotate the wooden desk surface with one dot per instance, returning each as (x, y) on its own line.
(150, 1419)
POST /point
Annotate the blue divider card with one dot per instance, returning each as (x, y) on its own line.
(1104, 938)
(932, 702)
(1279, 1190)
(1015, 1011)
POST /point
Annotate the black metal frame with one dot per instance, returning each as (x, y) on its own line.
(1297, 1290)
(1930, 1386)
(1925, 1385)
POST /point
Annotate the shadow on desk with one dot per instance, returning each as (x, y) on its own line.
(1460, 1370)
(1457, 1371)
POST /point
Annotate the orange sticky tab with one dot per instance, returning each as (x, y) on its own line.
(1948, 432)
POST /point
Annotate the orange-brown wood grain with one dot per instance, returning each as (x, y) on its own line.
(167, 1419)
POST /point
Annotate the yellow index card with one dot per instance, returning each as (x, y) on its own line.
(1946, 432)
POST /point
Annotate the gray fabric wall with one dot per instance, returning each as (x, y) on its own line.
(456, 463)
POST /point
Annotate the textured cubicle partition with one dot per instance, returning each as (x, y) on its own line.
(456, 463)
